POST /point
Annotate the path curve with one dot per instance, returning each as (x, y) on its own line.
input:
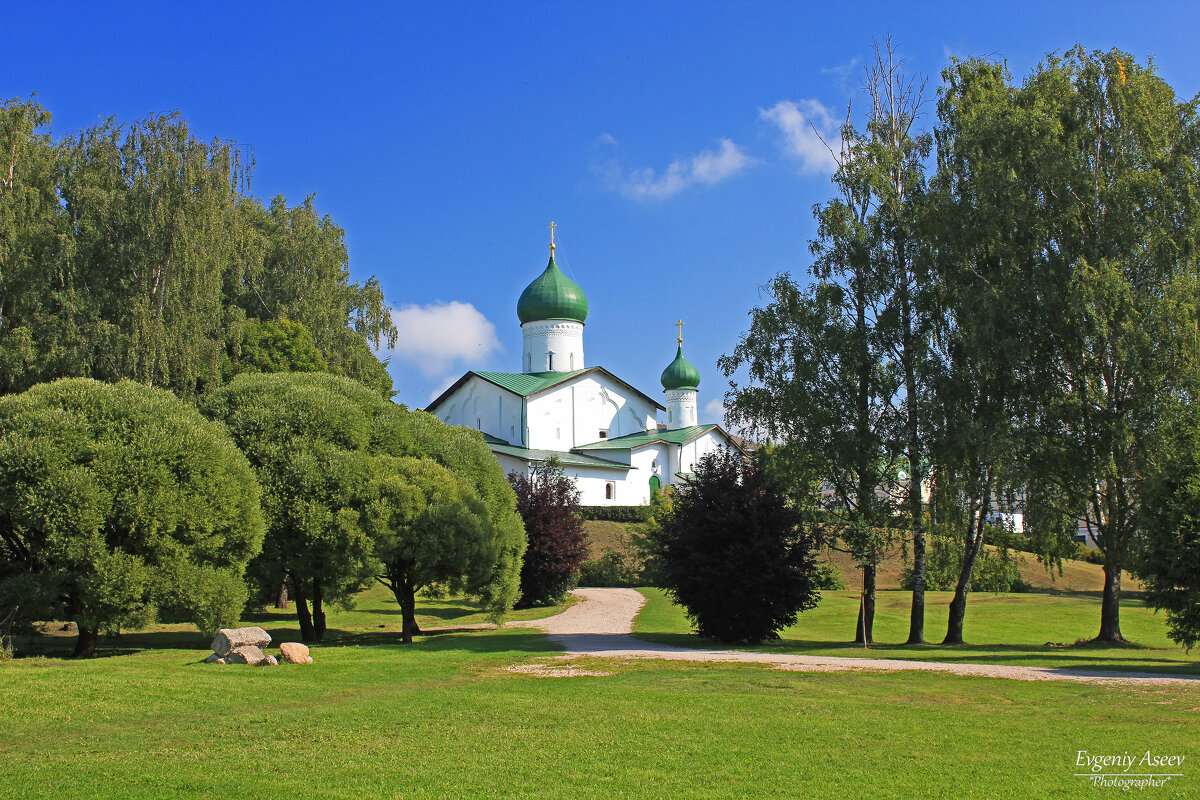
(601, 624)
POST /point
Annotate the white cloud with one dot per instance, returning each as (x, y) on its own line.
(803, 126)
(708, 167)
(607, 139)
(714, 411)
(435, 336)
(842, 73)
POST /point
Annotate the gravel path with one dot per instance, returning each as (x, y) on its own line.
(600, 627)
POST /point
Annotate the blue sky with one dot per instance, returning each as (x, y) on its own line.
(444, 137)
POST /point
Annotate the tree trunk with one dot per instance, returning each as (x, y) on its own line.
(866, 610)
(306, 624)
(406, 596)
(281, 600)
(916, 620)
(1110, 607)
(318, 611)
(974, 543)
(85, 644)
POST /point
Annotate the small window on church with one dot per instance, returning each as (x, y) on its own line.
(558, 433)
(610, 491)
(654, 464)
(604, 434)
(478, 424)
(572, 362)
(512, 431)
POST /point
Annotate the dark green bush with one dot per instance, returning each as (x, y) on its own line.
(610, 569)
(615, 513)
(995, 570)
(828, 576)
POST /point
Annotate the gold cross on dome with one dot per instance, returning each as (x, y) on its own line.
(679, 325)
(552, 227)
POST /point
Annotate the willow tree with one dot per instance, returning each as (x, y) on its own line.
(120, 502)
(34, 314)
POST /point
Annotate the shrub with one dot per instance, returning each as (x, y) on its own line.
(610, 569)
(122, 500)
(615, 513)
(995, 570)
(735, 553)
(548, 502)
(827, 576)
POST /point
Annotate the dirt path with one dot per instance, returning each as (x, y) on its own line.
(600, 627)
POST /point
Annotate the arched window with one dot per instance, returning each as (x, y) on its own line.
(609, 491)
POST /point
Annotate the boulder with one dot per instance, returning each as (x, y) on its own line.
(295, 653)
(268, 661)
(229, 639)
(247, 654)
(214, 659)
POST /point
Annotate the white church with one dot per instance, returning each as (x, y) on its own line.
(605, 433)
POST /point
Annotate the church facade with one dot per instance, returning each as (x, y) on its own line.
(604, 432)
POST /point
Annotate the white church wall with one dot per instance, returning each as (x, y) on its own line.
(481, 405)
(602, 487)
(690, 453)
(575, 413)
(509, 464)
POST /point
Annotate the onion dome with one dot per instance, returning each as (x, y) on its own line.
(680, 374)
(552, 295)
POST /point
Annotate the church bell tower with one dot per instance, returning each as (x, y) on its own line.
(552, 311)
(681, 384)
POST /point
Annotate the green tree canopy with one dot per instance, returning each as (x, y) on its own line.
(735, 553)
(335, 462)
(431, 532)
(135, 251)
(119, 500)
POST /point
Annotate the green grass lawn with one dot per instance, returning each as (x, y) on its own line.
(1037, 630)
(443, 719)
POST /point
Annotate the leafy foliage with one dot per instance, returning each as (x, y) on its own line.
(1168, 563)
(548, 502)
(735, 554)
(307, 436)
(134, 252)
(120, 500)
(345, 502)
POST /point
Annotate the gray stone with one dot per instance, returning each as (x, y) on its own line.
(228, 639)
(295, 653)
(247, 654)
(214, 659)
(268, 661)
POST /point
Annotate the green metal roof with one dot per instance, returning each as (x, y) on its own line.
(566, 459)
(636, 440)
(552, 295)
(527, 383)
(680, 374)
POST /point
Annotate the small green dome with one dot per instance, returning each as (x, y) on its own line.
(680, 374)
(552, 295)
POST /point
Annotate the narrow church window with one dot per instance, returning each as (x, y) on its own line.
(610, 490)
(478, 424)
(572, 362)
(558, 433)
(512, 431)
(654, 464)
(603, 434)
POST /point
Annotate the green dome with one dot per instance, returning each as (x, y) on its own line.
(680, 374)
(552, 295)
